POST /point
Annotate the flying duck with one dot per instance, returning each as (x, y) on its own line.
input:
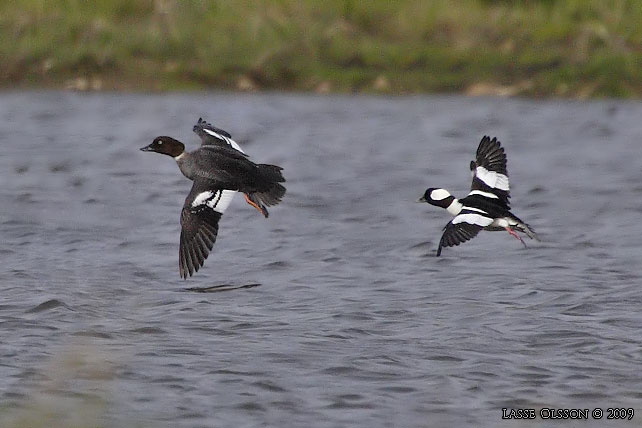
(219, 169)
(487, 204)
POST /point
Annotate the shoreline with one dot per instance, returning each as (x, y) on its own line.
(536, 48)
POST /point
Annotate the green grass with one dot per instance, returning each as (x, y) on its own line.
(572, 48)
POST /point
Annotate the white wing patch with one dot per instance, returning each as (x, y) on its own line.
(493, 179)
(218, 200)
(223, 201)
(477, 219)
(227, 140)
(201, 198)
(474, 209)
(484, 194)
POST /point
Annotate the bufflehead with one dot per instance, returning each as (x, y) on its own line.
(487, 205)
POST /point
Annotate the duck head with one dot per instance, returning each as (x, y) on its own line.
(437, 197)
(165, 145)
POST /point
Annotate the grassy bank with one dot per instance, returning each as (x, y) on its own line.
(573, 48)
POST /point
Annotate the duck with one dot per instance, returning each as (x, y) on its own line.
(487, 205)
(211, 135)
(219, 169)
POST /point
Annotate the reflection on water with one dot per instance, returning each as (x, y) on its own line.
(355, 322)
(219, 288)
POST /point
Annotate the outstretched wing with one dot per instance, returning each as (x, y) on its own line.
(211, 135)
(201, 213)
(490, 177)
(464, 227)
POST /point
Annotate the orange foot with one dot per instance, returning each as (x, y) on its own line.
(512, 232)
(260, 209)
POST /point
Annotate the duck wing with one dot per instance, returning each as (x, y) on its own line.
(211, 135)
(201, 213)
(490, 177)
(463, 227)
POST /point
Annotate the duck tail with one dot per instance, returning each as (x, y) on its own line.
(274, 191)
(528, 231)
(271, 173)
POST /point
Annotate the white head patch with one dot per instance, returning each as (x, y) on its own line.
(439, 194)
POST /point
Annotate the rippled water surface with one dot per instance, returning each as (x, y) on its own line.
(355, 322)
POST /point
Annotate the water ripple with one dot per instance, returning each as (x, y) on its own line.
(338, 312)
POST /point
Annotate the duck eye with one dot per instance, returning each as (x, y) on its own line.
(160, 142)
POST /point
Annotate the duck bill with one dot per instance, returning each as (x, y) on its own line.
(147, 149)
(422, 199)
